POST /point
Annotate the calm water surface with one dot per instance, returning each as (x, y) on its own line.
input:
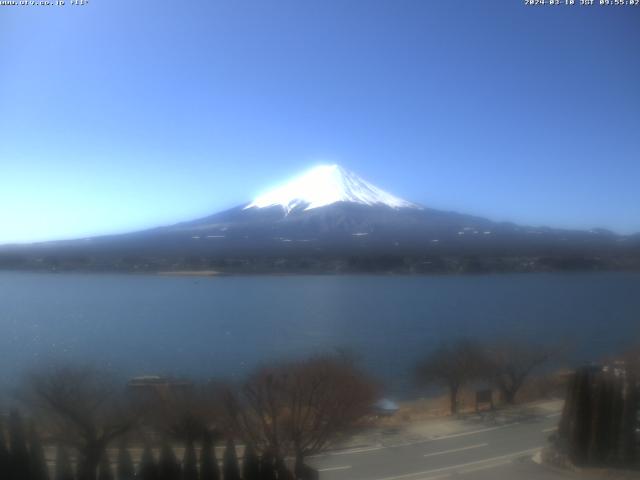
(224, 326)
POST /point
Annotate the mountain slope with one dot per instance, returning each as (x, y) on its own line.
(327, 213)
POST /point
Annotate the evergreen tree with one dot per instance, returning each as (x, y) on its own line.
(63, 469)
(4, 455)
(230, 462)
(38, 463)
(104, 469)
(190, 463)
(168, 466)
(125, 469)
(19, 453)
(302, 471)
(209, 469)
(267, 466)
(251, 464)
(148, 469)
(282, 470)
(599, 414)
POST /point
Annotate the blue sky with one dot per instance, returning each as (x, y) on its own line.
(121, 115)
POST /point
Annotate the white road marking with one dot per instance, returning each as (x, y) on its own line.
(436, 477)
(472, 432)
(453, 450)
(348, 452)
(557, 414)
(331, 469)
(485, 467)
(462, 465)
(546, 430)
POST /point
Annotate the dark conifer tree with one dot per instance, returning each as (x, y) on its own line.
(190, 463)
(148, 469)
(38, 463)
(267, 466)
(600, 411)
(125, 469)
(63, 470)
(281, 469)
(104, 469)
(230, 468)
(209, 469)
(168, 466)
(250, 464)
(19, 453)
(4, 455)
(302, 471)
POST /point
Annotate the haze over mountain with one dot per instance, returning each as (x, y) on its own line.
(329, 213)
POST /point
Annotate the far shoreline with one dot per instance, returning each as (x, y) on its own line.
(191, 273)
(319, 273)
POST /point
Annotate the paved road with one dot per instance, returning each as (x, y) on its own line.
(487, 452)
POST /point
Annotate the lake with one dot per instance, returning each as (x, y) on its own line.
(224, 326)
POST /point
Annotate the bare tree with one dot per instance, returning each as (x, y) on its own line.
(255, 411)
(452, 366)
(510, 362)
(631, 358)
(82, 408)
(301, 407)
(186, 414)
(326, 396)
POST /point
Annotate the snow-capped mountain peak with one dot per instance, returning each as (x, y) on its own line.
(324, 185)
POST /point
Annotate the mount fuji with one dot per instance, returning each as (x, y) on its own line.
(329, 219)
(326, 185)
